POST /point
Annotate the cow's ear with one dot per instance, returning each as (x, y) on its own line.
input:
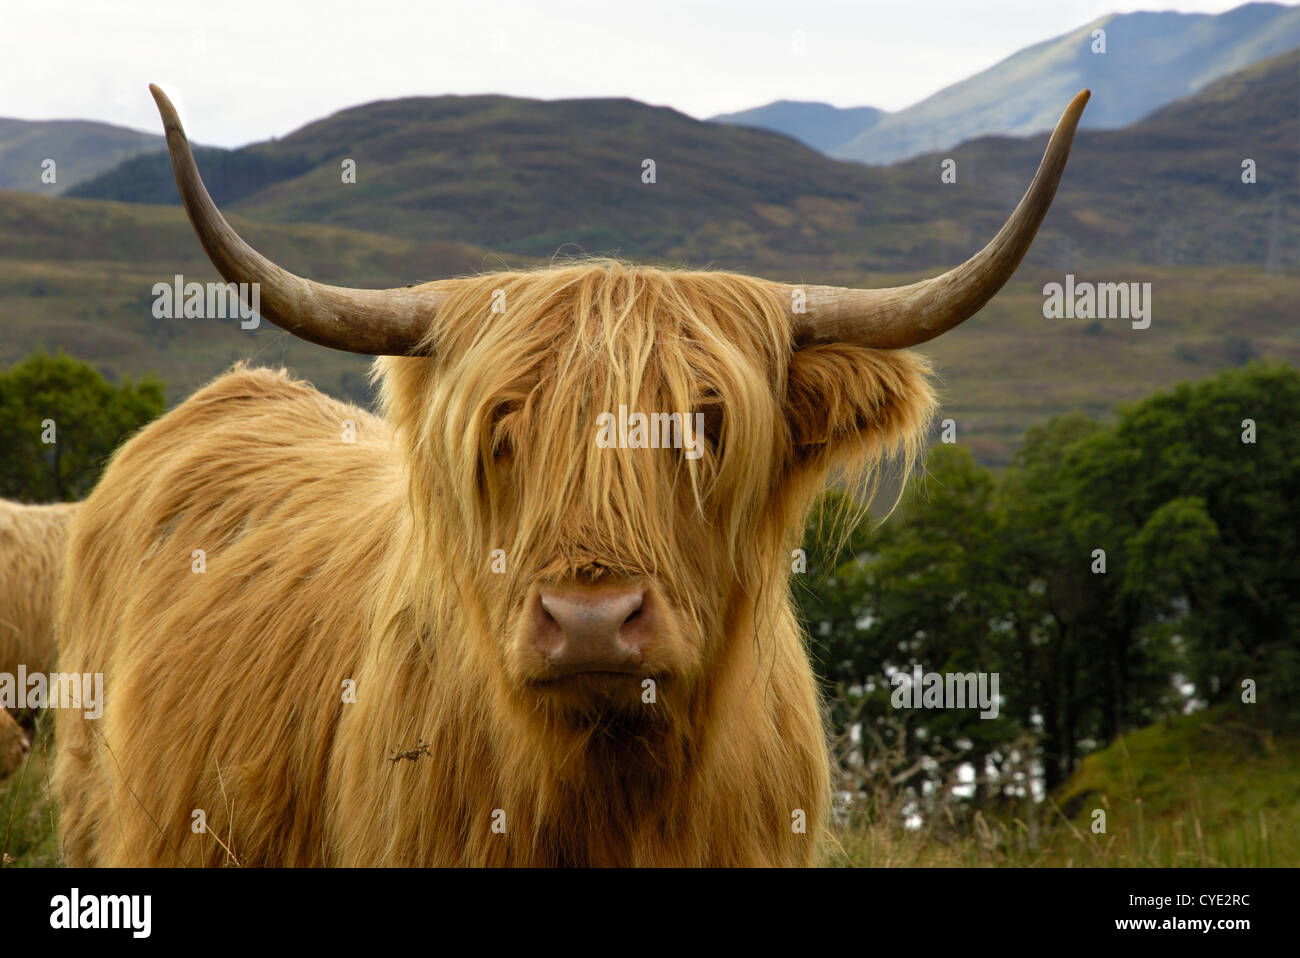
(846, 403)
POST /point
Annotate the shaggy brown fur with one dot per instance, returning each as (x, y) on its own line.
(371, 561)
(31, 557)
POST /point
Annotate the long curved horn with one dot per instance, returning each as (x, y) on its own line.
(378, 322)
(902, 316)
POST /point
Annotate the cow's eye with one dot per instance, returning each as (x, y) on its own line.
(711, 407)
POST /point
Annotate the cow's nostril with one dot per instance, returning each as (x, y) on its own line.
(580, 627)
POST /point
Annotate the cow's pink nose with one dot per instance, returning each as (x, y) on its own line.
(592, 628)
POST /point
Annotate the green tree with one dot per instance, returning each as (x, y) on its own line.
(1189, 501)
(1092, 668)
(60, 419)
(925, 589)
(1205, 479)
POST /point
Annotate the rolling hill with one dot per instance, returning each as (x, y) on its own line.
(81, 149)
(78, 275)
(530, 177)
(1150, 59)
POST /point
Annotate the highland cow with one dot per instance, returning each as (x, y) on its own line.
(31, 560)
(471, 634)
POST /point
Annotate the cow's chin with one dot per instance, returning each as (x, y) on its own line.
(593, 695)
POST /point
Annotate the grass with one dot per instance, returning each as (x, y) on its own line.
(27, 823)
(1212, 789)
(1215, 790)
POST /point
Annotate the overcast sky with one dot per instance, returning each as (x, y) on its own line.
(246, 70)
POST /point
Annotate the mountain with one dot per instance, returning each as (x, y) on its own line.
(1159, 202)
(1167, 189)
(81, 149)
(819, 125)
(531, 177)
(1150, 59)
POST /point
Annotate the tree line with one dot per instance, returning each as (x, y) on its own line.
(1115, 573)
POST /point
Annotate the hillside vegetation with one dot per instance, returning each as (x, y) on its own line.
(1212, 789)
(81, 149)
(78, 275)
(530, 177)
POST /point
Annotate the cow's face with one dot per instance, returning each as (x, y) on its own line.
(612, 464)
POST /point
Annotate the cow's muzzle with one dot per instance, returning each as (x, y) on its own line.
(585, 629)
